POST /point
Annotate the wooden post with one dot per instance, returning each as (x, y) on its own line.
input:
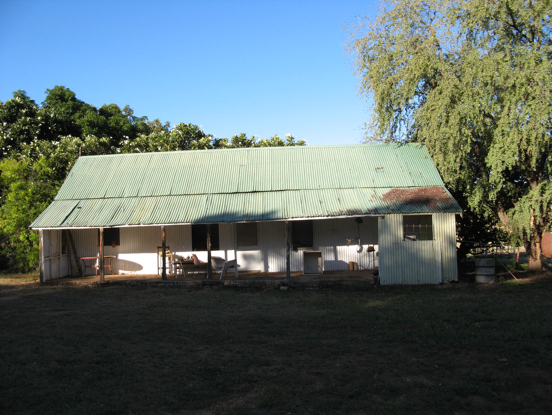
(51, 257)
(236, 249)
(41, 254)
(164, 254)
(288, 262)
(59, 255)
(101, 259)
(209, 265)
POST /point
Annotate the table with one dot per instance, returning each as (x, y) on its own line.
(96, 264)
(180, 263)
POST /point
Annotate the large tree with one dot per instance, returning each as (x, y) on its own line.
(472, 80)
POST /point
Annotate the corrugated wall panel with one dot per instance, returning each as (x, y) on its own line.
(388, 237)
(55, 264)
(137, 252)
(419, 262)
(445, 231)
(330, 237)
(226, 238)
(273, 243)
(399, 262)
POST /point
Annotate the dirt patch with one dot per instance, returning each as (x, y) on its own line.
(431, 197)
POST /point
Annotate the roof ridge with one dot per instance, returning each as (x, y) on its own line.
(273, 148)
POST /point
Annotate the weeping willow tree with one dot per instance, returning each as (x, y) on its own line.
(472, 79)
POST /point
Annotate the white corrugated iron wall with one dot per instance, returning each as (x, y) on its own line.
(445, 231)
(55, 263)
(417, 262)
(273, 244)
(330, 237)
(137, 252)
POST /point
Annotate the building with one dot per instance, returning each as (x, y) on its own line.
(379, 205)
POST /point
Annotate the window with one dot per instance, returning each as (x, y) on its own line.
(246, 234)
(301, 234)
(199, 237)
(417, 228)
(111, 237)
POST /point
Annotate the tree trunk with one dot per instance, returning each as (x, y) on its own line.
(533, 250)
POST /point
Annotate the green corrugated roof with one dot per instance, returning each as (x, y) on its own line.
(250, 184)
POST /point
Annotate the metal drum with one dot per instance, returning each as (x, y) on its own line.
(485, 268)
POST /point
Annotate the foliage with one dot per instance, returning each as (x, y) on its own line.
(28, 190)
(241, 140)
(41, 143)
(470, 79)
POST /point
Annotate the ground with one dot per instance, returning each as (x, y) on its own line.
(459, 348)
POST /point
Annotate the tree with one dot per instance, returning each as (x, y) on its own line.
(28, 189)
(241, 140)
(19, 122)
(470, 79)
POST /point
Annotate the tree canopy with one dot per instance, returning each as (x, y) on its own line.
(40, 144)
(470, 79)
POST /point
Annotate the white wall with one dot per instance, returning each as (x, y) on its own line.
(329, 236)
(55, 264)
(137, 253)
(420, 262)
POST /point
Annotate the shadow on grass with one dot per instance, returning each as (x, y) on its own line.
(462, 348)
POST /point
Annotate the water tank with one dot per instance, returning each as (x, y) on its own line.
(485, 268)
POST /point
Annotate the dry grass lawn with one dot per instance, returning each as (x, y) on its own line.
(454, 349)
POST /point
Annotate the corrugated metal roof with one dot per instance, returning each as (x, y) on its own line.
(250, 184)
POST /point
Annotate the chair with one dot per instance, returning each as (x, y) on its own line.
(176, 262)
(217, 263)
(229, 264)
(199, 263)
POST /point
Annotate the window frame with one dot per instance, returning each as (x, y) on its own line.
(107, 241)
(305, 242)
(417, 228)
(199, 231)
(244, 226)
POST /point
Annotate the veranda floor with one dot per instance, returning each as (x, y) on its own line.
(245, 277)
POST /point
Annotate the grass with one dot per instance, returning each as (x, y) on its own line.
(459, 348)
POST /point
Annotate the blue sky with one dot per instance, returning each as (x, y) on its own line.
(257, 67)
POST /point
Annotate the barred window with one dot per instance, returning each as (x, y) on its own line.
(417, 228)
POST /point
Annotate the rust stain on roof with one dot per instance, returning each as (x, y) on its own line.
(432, 196)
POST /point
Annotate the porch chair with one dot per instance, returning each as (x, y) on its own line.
(229, 264)
(218, 264)
(199, 263)
(176, 262)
